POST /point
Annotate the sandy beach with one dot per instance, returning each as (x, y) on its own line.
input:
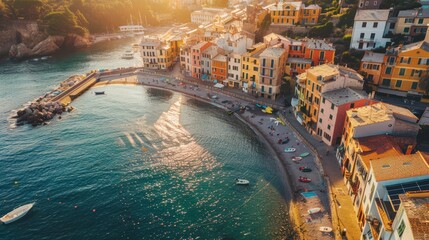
(271, 132)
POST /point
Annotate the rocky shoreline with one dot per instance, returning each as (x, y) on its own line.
(23, 39)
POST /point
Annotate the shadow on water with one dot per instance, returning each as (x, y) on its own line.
(160, 94)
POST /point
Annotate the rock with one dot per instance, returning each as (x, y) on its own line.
(47, 46)
(19, 51)
(74, 41)
(80, 42)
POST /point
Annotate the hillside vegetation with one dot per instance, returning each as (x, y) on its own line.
(83, 16)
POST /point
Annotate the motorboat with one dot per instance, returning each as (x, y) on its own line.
(296, 159)
(285, 141)
(290, 150)
(304, 154)
(128, 55)
(241, 181)
(325, 229)
(281, 121)
(99, 93)
(16, 213)
(304, 179)
(305, 169)
(314, 210)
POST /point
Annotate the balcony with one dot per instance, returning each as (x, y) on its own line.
(384, 214)
(374, 225)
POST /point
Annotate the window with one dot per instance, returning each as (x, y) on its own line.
(375, 25)
(401, 71)
(320, 120)
(398, 83)
(414, 85)
(388, 70)
(401, 228)
(364, 24)
(372, 36)
(332, 106)
(407, 29)
(330, 117)
(420, 21)
(327, 136)
(362, 35)
(352, 105)
(408, 20)
(375, 3)
(329, 127)
(386, 82)
(323, 100)
(322, 110)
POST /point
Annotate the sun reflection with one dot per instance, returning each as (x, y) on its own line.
(176, 148)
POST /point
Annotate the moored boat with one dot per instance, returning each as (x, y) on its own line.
(100, 93)
(304, 154)
(325, 229)
(128, 55)
(314, 210)
(241, 181)
(305, 169)
(290, 150)
(16, 213)
(304, 179)
(296, 159)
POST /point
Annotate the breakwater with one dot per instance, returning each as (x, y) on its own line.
(46, 107)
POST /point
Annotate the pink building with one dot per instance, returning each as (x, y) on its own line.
(196, 52)
(332, 112)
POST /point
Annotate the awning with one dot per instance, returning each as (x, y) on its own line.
(204, 77)
(294, 102)
(219, 85)
(393, 92)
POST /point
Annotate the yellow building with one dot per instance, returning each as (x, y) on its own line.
(405, 67)
(159, 52)
(316, 81)
(412, 22)
(292, 13)
(250, 68)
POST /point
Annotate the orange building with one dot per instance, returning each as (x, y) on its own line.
(306, 53)
(219, 68)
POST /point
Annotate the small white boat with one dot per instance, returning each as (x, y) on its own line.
(16, 213)
(314, 210)
(325, 229)
(290, 150)
(241, 181)
(296, 159)
(128, 55)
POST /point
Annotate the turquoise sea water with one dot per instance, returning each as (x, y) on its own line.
(137, 163)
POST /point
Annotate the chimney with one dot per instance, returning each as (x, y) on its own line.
(409, 149)
(427, 34)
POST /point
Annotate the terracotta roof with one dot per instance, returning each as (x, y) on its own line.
(380, 146)
(399, 167)
(416, 206)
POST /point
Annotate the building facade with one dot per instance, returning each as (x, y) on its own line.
(271, 72)
(294, 13)
(369, 29)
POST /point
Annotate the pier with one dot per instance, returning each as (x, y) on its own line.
(66, 97)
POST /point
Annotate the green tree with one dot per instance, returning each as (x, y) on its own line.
(321, 31)
(63, 23)
(28, 9)
(347, 19)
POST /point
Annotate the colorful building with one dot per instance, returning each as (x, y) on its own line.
(219, 68)
(315, 81)
(372, 64)
(293, 13)
(333, 107)
(412, 22)
(271, 70)
(158, 53)
(196, 52)
(405, 67)
(250, 68)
